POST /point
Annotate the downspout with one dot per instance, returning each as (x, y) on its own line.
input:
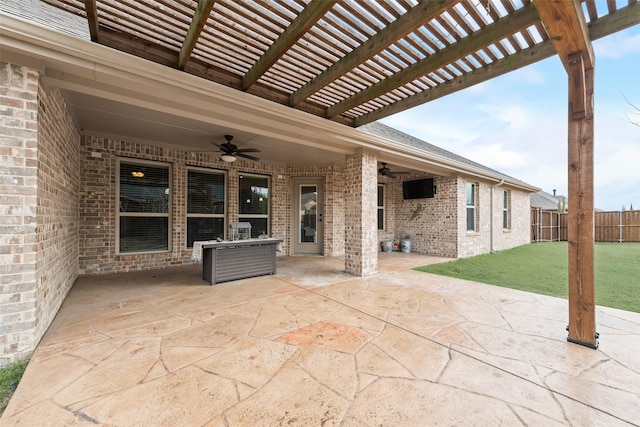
(493, 251)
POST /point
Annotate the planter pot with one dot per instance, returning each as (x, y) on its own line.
(387, 245)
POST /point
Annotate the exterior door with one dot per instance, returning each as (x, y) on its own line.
(308, 230)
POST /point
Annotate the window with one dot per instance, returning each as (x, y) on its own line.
(205, 205)
(253, 199)
(380, 207)
(472, 207)
(506, 209)
(143, 207)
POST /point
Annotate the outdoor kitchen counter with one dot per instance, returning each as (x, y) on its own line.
(238, 259)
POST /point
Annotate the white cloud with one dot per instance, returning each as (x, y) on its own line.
(515, 116)
(617, 45)
(529, 75)
(496, 156)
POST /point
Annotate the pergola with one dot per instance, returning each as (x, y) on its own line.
(355, 62)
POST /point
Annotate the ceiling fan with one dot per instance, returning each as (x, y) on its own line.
(230, 151)
(385, 171)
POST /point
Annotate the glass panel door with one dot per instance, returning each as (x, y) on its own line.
(308, 213)
(307, 232)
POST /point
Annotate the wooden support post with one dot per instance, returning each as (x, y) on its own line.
(582, 317)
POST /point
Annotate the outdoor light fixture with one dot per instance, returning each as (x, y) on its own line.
(136, 174)
(229, 158)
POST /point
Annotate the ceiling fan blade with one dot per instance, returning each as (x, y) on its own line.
(224, 148)
(400, 173)
(390, 175)
(246, 156)
(247, 150)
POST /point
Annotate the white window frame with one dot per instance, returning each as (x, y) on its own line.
(131, 161)
(216, 215)
(242, 217)
(381, 208)
(476, 220)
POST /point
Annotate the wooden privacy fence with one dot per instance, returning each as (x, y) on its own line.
(548, 226)
(617, 226)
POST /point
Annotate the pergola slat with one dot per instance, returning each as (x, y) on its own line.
(602, 27)
(505, 27)
(309, 16)
(397, 29)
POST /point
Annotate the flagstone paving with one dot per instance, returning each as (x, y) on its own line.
(313, 346)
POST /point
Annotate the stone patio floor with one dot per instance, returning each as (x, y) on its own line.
(313, 346)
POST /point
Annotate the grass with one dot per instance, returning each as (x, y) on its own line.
(9, 378)
(542, 268)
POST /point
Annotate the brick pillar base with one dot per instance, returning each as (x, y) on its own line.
(361, 229)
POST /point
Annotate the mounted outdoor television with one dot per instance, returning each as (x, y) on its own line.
(418, 189)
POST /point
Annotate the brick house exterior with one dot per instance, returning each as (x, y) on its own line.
(59, 202)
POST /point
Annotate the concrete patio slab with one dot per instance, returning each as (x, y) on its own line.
(315, 346)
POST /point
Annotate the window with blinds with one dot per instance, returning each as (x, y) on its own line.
(253, 200)
(143, 206)
(472, 206)
(206, 205)
(506, 209)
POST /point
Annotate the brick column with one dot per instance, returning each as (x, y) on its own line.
(18, 195)
(361, 230)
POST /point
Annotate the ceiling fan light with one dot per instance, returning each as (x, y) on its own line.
(229, 158)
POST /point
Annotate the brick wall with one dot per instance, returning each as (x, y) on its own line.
(38, 208)
(98, 202)
(477, 242)
(480, 242)
(520, 232)
(58, 181)
(431, 224)
(439, 226)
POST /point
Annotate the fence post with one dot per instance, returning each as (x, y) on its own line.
(540, 225)
(620, 227)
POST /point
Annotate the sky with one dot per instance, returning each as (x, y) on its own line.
(517, 123)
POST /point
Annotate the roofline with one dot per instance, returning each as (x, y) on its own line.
(70, 62)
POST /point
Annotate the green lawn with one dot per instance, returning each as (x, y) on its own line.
(9, 378)
(542, 268)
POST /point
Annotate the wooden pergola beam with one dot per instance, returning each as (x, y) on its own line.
(623, 18)
(566, 26)
(502, 28)
(405, 24)
(91, 10)
(200, 17)
(300, 25)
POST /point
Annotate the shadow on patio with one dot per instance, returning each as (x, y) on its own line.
(314, 346)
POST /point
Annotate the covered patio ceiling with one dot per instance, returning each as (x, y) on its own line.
(349, 61)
